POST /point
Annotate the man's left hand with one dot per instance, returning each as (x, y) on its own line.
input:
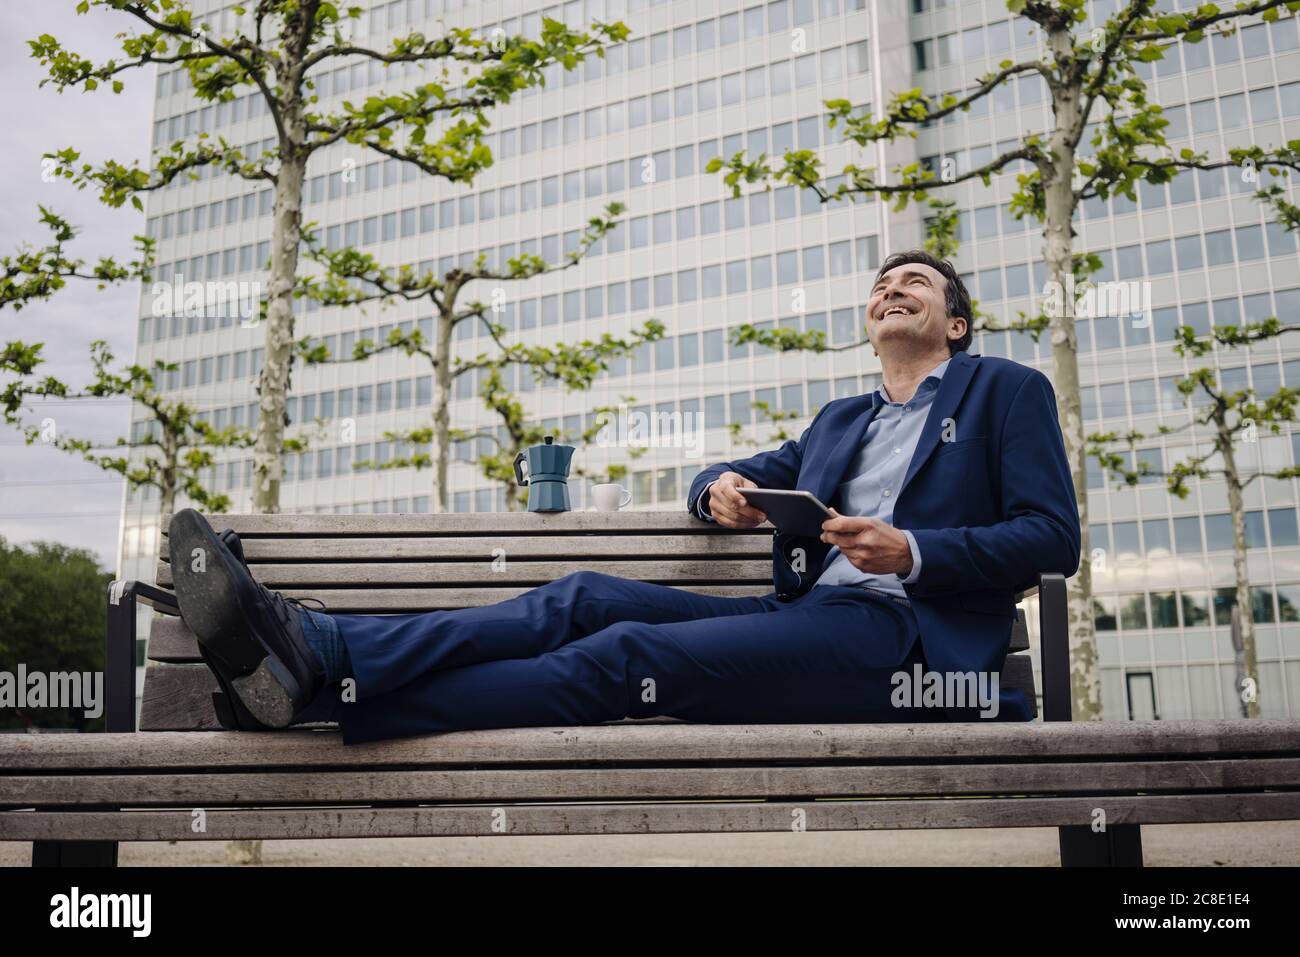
(869, 544)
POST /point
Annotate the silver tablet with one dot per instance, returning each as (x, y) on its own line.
(792, 512)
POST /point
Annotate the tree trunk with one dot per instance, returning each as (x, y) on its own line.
(441, 446)
(273, 383)
(166, 486)
(1249, 700)
(167, 476)
(513, 498)
(1058, 248)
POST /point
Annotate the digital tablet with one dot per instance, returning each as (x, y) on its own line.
(792, 512)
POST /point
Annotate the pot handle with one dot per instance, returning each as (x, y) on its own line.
(519, 472)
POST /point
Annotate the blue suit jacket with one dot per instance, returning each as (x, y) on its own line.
(991, 509)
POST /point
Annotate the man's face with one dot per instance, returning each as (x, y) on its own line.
(907, 308)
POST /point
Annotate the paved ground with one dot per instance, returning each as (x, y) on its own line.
(1266, 844)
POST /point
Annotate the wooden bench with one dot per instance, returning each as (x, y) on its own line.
(77, 796)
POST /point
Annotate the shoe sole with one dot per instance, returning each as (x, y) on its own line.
(211, 608)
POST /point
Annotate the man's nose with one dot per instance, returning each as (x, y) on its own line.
(895, 287)
(891, 292)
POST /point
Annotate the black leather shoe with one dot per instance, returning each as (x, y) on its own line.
(232, 542)
(230, 711)
(251, 636)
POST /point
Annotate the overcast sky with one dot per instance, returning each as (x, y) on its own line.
(46, 494)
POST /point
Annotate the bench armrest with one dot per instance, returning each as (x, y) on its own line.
(152, 595)
(119, 658)
(1054, 646)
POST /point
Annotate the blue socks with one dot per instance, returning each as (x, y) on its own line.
(322, 634)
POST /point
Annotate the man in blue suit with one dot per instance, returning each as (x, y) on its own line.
(951, 491)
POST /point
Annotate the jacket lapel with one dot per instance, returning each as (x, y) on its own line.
(827, 479)
(952, 387)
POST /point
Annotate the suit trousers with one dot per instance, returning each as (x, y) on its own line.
(590, 648)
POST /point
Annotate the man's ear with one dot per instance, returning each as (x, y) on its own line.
(962, 324)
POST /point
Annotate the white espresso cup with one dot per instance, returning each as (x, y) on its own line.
(610, 498)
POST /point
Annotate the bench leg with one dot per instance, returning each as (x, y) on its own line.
(1118, 846)
(119, 716)
(74, 854)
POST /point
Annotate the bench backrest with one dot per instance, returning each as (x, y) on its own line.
(390, 564)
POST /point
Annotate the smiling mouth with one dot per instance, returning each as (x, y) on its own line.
(898, 310)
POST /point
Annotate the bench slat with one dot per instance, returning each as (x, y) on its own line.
(665, 744)
(178, 698)
(476, 524)
(400, 600)
(444, 548)
(888, 814)
(271, 787)
(510, 572)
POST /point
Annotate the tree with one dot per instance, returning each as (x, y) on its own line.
(170, 452)
(940, 240)
(30, 275)
(271, 48)
(765, 411)
(516, 433)
(1096, 87)
(352, 278)
(1230, 416)
(52, 619)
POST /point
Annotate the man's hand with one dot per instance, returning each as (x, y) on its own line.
(727, 506)
(869, 544)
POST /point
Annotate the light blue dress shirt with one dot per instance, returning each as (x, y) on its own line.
(878, 469)
(878, 472)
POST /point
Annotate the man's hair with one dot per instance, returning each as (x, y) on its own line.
(956, 297)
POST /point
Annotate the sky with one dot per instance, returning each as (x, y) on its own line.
(46, 494)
